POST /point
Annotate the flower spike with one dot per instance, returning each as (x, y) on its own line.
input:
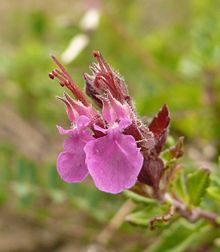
(112, 145)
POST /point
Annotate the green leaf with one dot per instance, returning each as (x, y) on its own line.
(214, 193)
(197, 183)
(139, 199)
(179, 237)
(180, 187)
(144, 216)
(139, 218)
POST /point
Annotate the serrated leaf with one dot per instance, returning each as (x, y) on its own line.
(180, 187)
(197, 183)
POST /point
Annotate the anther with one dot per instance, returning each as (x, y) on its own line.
(51, 75)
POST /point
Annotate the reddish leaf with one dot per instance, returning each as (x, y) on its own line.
(159, 127)
(160, 122)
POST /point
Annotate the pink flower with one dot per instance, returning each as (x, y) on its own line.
(112, 146)
(114, 161)
(71, 164)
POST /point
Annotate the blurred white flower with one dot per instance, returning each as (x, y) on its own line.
(90, 20)
(76, 45)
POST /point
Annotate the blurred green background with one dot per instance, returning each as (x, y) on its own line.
(167, 51)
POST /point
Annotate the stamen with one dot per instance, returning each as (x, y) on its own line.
(66, 80)
(64, 72)
(51, 75)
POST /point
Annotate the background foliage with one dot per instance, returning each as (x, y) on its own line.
(168, 52)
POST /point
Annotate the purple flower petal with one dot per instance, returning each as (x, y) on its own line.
(124, 123)
(81, 123)
(71, 164)
(113, 110)
(113, 161)
(80, 108)
(62, 131)
(71, 113)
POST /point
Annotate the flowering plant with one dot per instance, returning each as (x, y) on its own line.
(108, 141)
(114, 146)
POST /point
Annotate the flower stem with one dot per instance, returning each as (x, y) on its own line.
(193, 214)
